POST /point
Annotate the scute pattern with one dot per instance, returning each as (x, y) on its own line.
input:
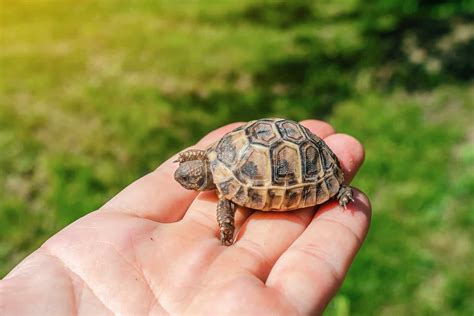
(251, 167)
(261, 132)
(326, 159)
(275, 199)
(310, 161)
(293, 196)
(257, 198)
(309, 195)
(317, 140)
(228, 187)
(229, 147)
(241, 196)
(290, 131)
(332, 185)
(274, 164)
(226, 151)
(285, 164)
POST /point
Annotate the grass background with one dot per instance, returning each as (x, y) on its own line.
(97, 93)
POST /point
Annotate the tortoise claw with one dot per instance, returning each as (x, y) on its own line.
(227, 237)
(344, 196)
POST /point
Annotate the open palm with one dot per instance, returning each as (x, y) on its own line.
(154, 249)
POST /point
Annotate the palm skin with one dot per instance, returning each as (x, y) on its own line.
(154, 249)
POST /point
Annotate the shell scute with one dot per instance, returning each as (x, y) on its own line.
(332, 185)
(308, 196)
(229, 187)
(310, 162)
(262, 132)
(257, 198)
(241, 196)
(293, 197)
(286, 165)
(228, 148)
(275, 199)
(321, 192)
(290, 131)
(252, 167)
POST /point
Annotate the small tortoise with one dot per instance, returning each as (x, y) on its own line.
(268, 164)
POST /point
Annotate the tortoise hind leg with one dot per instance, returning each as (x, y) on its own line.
(344, 195)
(225, 218)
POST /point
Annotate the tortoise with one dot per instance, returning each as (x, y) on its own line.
(268, 165)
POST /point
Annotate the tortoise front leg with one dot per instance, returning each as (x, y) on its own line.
(225, 218)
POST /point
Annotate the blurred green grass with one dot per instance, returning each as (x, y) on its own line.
(96, 94)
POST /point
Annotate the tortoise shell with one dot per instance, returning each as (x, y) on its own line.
(274, 164)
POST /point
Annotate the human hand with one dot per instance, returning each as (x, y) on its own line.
(154, 249)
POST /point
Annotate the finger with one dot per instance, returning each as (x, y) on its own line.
(270, 234)
(157, 196)
(203, 210)
(309, 273)
(261, 240)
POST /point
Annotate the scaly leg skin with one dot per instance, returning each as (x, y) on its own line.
(225, 218)
(344, 195)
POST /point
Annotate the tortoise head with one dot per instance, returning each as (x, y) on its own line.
(194, 172)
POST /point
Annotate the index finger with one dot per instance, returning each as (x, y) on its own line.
(309, 273)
